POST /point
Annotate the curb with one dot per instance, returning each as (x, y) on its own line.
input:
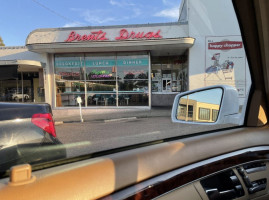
(58, 123)
(108, 120)
(120, 119)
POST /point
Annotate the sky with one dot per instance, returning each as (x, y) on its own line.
(212, 96)
(20, 17)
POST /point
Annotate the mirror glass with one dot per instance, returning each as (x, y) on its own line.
(201, 106)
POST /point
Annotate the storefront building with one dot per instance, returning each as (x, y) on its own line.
(136, 66)
(116, 66)
(21, 77)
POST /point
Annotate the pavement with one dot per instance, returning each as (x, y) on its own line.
(115, 115)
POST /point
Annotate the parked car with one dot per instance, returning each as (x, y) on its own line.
(20, 96)
(26, 132)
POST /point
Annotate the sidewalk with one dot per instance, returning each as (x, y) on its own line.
(114, 114)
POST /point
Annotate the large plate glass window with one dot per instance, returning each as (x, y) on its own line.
(133, 75)
(69, 78)
(102, 79)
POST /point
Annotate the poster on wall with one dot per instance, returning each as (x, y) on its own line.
(225, 63)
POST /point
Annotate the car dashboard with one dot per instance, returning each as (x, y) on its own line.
(231, 164)
(247, 181)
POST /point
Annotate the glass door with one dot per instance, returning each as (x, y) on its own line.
(167, 84)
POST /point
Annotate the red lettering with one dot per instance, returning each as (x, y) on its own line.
(123, 35)
(103, 37)
(157, 34)
(91, 37)
(139, 35)
(149, 35)
(71, 37)
(98, 35)
(84, 37)
(78, 37)
(132, 35)
(69, 73)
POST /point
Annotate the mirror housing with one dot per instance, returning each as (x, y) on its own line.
(228, 108)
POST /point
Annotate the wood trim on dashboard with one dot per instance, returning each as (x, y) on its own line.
(167, 182)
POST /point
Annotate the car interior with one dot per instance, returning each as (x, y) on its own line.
(230, 163)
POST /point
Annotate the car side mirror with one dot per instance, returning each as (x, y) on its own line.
(210, 105)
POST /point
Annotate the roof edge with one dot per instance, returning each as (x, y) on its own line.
(101, 27)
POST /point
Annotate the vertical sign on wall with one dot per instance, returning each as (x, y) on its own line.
(225, 63)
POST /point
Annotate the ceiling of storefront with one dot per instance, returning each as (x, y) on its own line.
(24, 65)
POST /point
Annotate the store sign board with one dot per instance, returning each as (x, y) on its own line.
(101, 63)
(133, 62)
(93, 36)
(69, 63)
(124, 34)
(111, 33)
(225, 45)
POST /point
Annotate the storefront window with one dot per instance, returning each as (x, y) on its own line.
(215, 114)
(134, 86)
(17, 86)
(70, 79)
(138, 99)
(100, 67)
(133, 79)
(69, 67)
(169, 74)
(204, 113)
(68, 91)
(101, 93)
(102, 80)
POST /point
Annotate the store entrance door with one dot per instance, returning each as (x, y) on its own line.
(167, 84)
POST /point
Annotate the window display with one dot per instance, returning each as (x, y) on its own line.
(102, 79)
(169, 74)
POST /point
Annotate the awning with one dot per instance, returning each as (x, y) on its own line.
(165, 47)
(8, 72)
(20, 66)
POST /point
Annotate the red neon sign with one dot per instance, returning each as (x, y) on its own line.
(69, 73)
(94, 36)
(123, 35)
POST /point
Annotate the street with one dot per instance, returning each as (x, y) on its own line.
(99, 135)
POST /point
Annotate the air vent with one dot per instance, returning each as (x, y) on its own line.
(254, 167)
(223, 186)
(254, 186)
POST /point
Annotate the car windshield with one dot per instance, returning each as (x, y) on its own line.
(100, 77)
